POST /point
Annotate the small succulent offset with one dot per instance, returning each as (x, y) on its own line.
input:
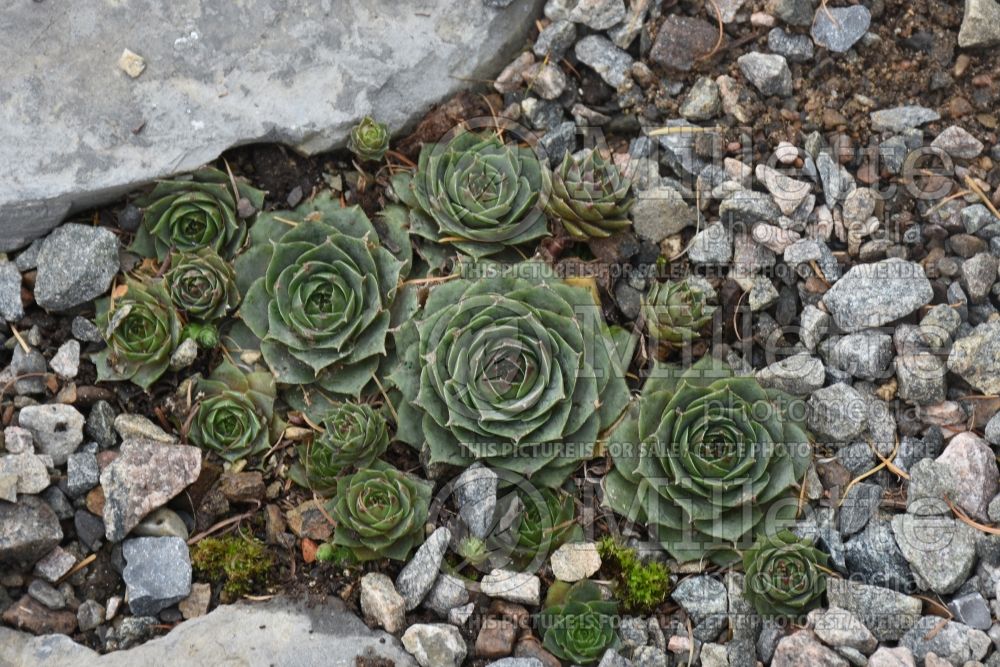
(546, 522)
(198, 211)
(514, 368)
(784, 575)
(317, 287)
(582, 627)
(202, 285)
(369, 140)
(589, 197)
(234, 414)
(380, 512)
(142, 330)
(473, 193)
(675, 313)
(353, 436)
(707, 460)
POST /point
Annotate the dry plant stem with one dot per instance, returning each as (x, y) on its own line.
(222, 524)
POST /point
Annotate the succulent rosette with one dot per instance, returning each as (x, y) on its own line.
(380, 512)
(675, 313)
(589, 197)
(547, 520)
(513, 367)
(193, 212)
(353, 435)
(473, 193)
(707, 460)
(318, 286)
(234, 412)
(582, 627)
(142, 330)
(202, 285)
(784, 575)
(369, 140)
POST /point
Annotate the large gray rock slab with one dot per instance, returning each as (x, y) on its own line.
(278, 632)
(217, 75)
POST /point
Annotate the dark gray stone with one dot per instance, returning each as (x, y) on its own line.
(85, 331)
(82, 473)
(100, 424)
(29, 529)
(874, 556)
(768, 72)
(76, 264)
(11, 308)
(972, 610)
(793, 12)
(799, 375)
(157, 573)
(860, 503)
(796, 48)
(30, 367)
(475, 496)
(555, 39)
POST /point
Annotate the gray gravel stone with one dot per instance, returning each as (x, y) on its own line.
(218, 79)
(475, 496)
(27, 259)
(661, 212)
(971, 609)
(864, 355)
(802, 648)
(749, 207)
(972, 461)
(887, 613)
(157, 573)
(814, 325)
(448, 593)
(958, 143)
(930, 482)
(82, 473)
(839, 28)
(555, 39)
(992, 430)
(921, 378)
(55, 564)
(66, 361)
(978, 275)
(11, 308)
(76, 264)
(795, 48)
(435, 644)
(702, 597)
(768, 72)
(85, 331)
(941, 551)
(600, 54)
(30, 470)
(381, 604)
(793, 12)
(29, 529)
(860, 504)
(871, 295)
(519, 587)
(702, 101)
(841, 628)
(800, 375)
(57, 429)
(902, 118)
(712, 245)
(417, 577)
(137, 427)
(89, 615)
(30, 366)
(954, 642)
(46, 594)
(837, 413)
(874, 557)
(598, 14)
(976, 357)
(100, 424)
(980, 25)
(17, 440)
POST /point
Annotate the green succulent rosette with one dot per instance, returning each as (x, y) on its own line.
(380, 512)
(353, 436)
(546, 522)
(707, 460)
(784, 575)
(675, 313)
(369, 140)
(234, 412)
(511, 366)
(141, 329)
(202, 285)
(193, 212)
(318, 284)
(589, 197)
(474, 194)
(582, 627)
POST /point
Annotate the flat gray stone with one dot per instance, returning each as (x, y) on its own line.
(800, 375)
(157, 573)
(980, 25)
(417, 577)
(76, 264)
(902, 118)
(940, 550)
(839, 28)
(435, 644)
(11, 308)
(297, 72)
(870, 295)
(277, 632)
(661, 212)
(887, 613)
(29, 529)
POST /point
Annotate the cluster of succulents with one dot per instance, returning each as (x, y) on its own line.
(589, 197)
(232, 413)
(317, 287)
(707, 460)
(380, 512)
(784, 575)
(353, 435)
(675, 313)
(581, 626)
(473, 194)
(369, 140)
(514, 368)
